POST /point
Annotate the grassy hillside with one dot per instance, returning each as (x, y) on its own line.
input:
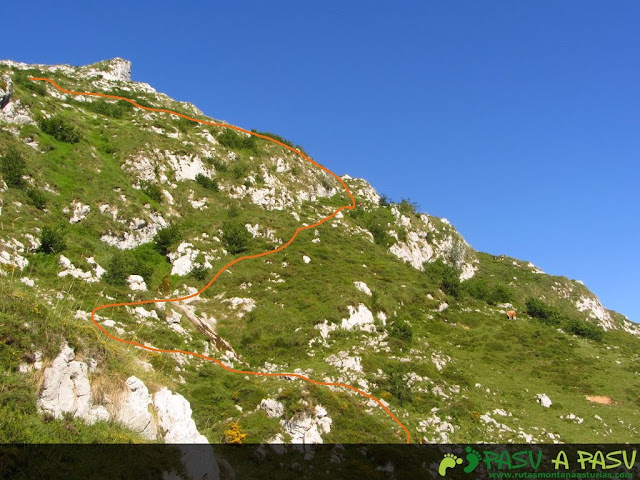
(173, 201)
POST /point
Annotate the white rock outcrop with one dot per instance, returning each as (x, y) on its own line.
(363, 288)
(360, 317)
(174, 418)
(134, 412)
(80, 212)
(136, 282)
(307, 428)
(274, 408)
(543, 400)
(66, 389)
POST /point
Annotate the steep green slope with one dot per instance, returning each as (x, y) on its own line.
(383, 297)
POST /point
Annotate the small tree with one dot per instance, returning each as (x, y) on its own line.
(13, 167)
(206, 182)
(51, 241)
(235, 237)
(165, 238)
(400, 329)
(60, 128)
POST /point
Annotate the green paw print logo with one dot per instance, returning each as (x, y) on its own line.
(451, 461)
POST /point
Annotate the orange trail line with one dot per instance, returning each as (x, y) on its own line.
(233, 262)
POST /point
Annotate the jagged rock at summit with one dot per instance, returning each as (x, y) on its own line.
(106, 203)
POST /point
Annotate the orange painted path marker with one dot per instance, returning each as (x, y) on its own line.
(233, 262)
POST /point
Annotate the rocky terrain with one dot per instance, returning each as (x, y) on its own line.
(101, 202)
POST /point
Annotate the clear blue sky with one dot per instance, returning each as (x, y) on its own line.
(519, 121)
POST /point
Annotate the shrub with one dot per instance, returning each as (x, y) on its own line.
(184, 124)
(399, 387)
(125, 263)
(500, 293)
(37, 198)
(401, 330)
(200, 272)
(218, 164)
(152, 191)
(234, 434)
(583, 329)
(536, 308)
(236, 141)
(116, 109)
(478, 288)
(60, 128)
(275, 137)
(235, 237)
(166, 238)
(239, 170)
(13, 167)
(407, 207)
(384, 201)
(206, 182)
(118, 269)
(21, 78)
(445, 276)
(377, 223)
(51, 241)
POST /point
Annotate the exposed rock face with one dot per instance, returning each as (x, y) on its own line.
(6, 90)
(174, 418)
(66, 389)
(359, 317)
(134, 410)
(306, 428)
(274, 408)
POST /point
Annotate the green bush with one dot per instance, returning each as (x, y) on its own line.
(37, 198)
(398, 386)
(152, 190)
(536, 308)
(166, 238)
(408, 208)
(60, 128)
(21, 77)
(377, 222)
(384, 201)
(51, 241)
(125, 263)
(401, 330)
(206, 182)
(13, 167)
(444, 276)
(200, 273)
(236, 141)
(583, 329)
(235, 237)
(239, 170)
(275, 137)
(117, 109)
(479, 289)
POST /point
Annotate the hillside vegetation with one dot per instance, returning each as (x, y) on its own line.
(102, 202)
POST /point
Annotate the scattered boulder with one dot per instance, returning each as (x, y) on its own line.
(273, 408)
(543, 400)
(136, 282)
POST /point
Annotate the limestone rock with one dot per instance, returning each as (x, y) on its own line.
(134, 410)
(136, 282)
(273, 408)
(543, 400)
(174, 418)
(66, 387)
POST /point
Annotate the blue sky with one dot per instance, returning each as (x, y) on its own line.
(518, 121)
